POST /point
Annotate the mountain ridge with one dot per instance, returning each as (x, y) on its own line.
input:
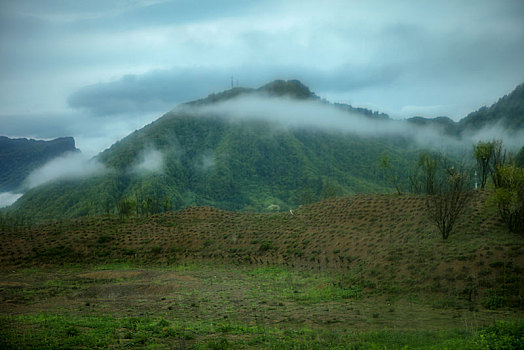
(19, 156)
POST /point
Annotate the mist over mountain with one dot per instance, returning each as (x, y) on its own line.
(18, 157)
(250, 149)
(503, 119)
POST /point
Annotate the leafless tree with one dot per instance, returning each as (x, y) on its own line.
(449, 200)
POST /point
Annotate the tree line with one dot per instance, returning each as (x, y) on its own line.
(448, 187)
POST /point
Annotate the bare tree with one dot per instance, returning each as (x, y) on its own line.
(449, 200)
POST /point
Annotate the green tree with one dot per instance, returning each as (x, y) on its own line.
(498, 159)
(389, 173)
(125, 207)
(483, 152)
(509, 197)
(428, 164)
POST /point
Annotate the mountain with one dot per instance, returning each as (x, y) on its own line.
(216, 152)
(207, 158)
(507, 113)
(18, 157)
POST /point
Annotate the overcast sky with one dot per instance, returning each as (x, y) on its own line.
(99, 69)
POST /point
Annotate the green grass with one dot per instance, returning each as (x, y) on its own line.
(52, 331)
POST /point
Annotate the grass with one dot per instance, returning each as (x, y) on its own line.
(205, 306)
(52, 331)
(361, 272)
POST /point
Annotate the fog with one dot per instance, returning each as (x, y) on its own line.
(292, 113)
(69, 166)
(150, 160)
(8, 198)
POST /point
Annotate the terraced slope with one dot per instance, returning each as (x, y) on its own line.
(384, 243)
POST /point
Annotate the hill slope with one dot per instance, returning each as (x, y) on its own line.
(384, 241)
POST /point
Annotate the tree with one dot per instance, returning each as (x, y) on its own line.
(449, 200)
(498, 159)
(483, 152)
(509, 197)
(429, 166)
(385, 165)
(125, 207)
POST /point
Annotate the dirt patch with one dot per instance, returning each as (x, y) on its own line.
(128, 290)
(110, 274)
(13, 284)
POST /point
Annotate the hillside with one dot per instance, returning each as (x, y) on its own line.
(18, 157)
(208, 159)
(384, 241)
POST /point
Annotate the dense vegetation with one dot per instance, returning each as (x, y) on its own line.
(240, 165)
(18, 157)
(248, 164)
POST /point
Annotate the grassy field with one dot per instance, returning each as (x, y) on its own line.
(363, 272)
(210, 306)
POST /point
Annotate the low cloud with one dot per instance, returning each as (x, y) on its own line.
(68, 166)
(205, 161)
(150, 160)
(290, 113)
(8, 198)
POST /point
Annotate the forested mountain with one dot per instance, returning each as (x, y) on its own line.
(190, 158)
(18, 157)
(198, 155)
(507, 113)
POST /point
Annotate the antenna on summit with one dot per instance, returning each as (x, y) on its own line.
(231, 82)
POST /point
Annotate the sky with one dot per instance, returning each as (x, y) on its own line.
(97, 70)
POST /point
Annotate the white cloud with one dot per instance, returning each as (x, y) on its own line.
(8, 198)
(291, 113)
(150, 160)
(68, 166)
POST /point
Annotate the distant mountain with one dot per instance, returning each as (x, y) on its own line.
(18, 157)
(507, 113)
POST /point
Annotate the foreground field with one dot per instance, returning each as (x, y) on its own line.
(357, 272)
(202, 306)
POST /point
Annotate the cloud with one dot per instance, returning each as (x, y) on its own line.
(161, 90)
(8, 198)
(158, 90)
(150, 160)
(121, 59)
(300, 114)
(69, 166)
